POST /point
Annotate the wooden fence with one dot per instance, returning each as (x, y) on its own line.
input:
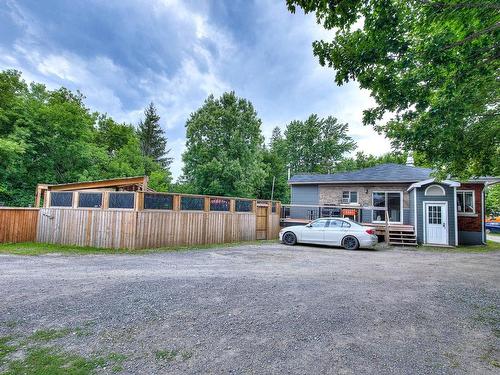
(18, 224)
(213, 220)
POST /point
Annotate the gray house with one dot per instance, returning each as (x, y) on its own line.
(441, 213)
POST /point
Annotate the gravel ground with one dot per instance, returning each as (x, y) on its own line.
(265, 309)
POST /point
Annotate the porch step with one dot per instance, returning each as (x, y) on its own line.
(402, 237)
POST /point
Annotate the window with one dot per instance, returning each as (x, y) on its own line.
(349, 197)
(435, 190)
(392, 200)
(465, 202)
(339, 224)
(90, 200)
(434, 215)
(318, 224)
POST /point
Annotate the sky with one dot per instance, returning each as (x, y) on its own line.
(124, 54)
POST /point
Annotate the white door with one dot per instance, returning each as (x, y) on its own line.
(436, 223)
(314, 232)
(334, 232)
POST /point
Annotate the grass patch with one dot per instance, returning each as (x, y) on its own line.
(34, 248)
(489, 355)
(490, 246)
(44, 361)
(49, 334)
(166, 355)
(5, 348)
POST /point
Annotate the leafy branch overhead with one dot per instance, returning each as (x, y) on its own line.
(430, 65)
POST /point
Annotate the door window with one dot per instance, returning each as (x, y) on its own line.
(318, 224)
(335, 224)
(434, 214)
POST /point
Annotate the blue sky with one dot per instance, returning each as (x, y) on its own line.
(124, 54)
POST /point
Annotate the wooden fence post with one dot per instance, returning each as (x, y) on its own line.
(176, 203)
(386, 227)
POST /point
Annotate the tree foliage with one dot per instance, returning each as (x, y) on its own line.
(493, 199)
(432, 64)
(50, 136)
(361, 160)
(275, 165)
(224, 148)
(152, 138)
(315, 145)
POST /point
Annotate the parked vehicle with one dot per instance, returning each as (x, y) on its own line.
(331, 231)
(492, 226)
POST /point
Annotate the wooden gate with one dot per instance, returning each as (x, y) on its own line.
(261, 222)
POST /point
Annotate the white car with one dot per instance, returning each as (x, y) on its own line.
(331, 231)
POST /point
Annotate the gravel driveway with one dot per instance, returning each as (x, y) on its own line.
(265, 309)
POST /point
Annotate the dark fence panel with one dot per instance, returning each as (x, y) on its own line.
(243, 205)
(61, 199)
(192, 203)
(121, 200)
(158, 201)
(219, 204)
(90, 200)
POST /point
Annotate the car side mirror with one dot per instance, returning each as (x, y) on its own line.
(309, 226)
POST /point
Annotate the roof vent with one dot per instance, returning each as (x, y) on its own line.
(409, 160)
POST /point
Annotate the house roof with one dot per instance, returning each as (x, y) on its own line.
(380, 173)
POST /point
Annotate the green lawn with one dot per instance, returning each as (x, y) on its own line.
(33, 248)
(489, 247)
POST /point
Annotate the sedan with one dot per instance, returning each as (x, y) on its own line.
(328, 231)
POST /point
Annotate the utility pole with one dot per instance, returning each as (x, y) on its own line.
(272, 190)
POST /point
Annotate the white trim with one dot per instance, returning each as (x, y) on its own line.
(463, 213)
(431, 180)
(443, 193)
(456, 215)
(415, 211)
(401, 212)
(424, 216)
(348, 182)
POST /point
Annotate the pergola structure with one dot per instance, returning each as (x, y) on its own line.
(139, 183)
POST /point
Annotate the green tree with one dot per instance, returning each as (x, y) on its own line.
(50, 136)
(223, 148)
(315, 145)
(432, 64)
(275, 167)
(152, 138)
(361, 160)
(493, 199)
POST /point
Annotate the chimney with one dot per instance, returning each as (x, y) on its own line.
(409, 160)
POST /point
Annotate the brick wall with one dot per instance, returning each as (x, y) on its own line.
(332, 194)
(468, 222)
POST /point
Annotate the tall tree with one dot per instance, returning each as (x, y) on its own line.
(275, 166)
(315, 145)
(432, 64)
(223, 147)
(152, 138)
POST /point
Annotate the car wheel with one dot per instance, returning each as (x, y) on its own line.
(289, 238)
(350, 243)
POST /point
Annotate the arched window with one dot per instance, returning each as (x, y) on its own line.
(435, 190)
